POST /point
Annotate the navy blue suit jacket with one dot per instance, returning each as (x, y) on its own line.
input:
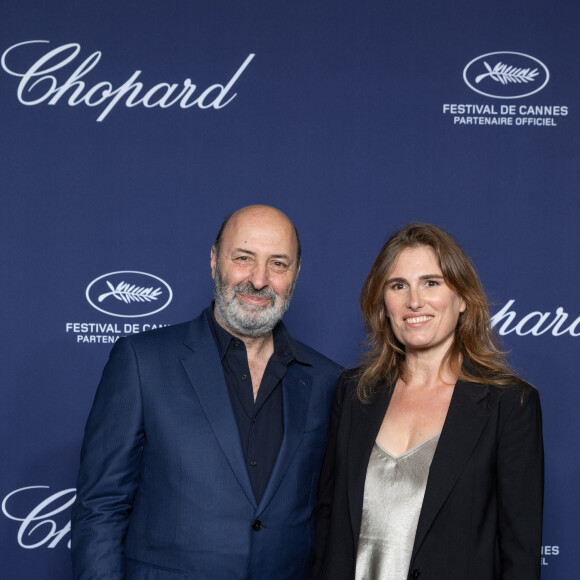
(163, 489)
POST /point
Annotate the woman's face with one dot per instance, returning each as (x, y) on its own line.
(422, 309)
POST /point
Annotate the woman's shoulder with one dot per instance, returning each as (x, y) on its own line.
(517, 393)
(348, 388)
(351, 376)
(522, 392)
(497, 384)
(518, 409)
(348, 381)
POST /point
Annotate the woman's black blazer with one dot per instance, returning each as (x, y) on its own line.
(481, 517)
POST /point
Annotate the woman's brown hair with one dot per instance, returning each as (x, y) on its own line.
(475, 354)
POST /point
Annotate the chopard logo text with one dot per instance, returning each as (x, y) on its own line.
(41, 524)
(535, 323)
(45, 81)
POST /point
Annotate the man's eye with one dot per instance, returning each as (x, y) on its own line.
(279, 265)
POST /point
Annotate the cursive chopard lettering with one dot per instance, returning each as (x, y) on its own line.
(535, 323)
(39, 527)
(39, 85)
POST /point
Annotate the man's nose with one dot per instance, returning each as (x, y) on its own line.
(259, 276)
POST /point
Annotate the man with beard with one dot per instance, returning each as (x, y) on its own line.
(203, 447)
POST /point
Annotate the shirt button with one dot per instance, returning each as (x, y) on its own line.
(236, 343)
(253, 463)
(244, 377)
(416, 573)
(256, 525)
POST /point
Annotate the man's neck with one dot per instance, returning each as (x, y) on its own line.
(259, 349)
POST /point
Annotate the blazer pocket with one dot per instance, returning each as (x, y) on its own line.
(136, 570)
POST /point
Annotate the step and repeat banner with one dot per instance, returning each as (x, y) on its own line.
(131, 129)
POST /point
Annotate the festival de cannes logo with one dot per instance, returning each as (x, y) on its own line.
(506, 75)
(129, 294)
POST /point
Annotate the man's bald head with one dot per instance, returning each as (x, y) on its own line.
(262, 214)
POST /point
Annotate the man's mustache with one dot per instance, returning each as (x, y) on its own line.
(248, 288)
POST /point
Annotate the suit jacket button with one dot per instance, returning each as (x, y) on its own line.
(256, 525)
(416, 573)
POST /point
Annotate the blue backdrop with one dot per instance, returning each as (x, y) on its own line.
(130, 129)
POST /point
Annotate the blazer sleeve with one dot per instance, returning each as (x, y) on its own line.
(326, 481)
(520, 485)
(109, 471)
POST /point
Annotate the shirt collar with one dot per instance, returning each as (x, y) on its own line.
(286, 348)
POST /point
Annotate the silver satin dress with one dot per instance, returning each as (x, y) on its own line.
(393, 496)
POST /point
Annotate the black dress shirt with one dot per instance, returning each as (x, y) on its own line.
(260, 422)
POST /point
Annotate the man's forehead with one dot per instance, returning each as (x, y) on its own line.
(246, 230)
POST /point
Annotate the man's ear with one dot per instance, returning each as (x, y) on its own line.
(213, 261)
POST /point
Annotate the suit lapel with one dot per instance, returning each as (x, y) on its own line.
(204, 370)
(463, 425)
(296, 391)
(366, 422)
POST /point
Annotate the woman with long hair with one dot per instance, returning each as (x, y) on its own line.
(434, 465)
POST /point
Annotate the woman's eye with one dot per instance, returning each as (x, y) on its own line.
(432, 283)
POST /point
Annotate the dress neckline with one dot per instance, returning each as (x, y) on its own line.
(409, 451)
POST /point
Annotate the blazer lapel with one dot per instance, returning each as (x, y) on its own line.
(204, 370)
(463, 425)
(296, 391)
(366, 422)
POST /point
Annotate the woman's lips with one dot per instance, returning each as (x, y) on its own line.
(418, 319)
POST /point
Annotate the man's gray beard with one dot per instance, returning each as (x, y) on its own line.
(246, 319)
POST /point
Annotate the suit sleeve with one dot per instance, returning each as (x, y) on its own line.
(326, 481)
(108, 476)
(520, 470)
